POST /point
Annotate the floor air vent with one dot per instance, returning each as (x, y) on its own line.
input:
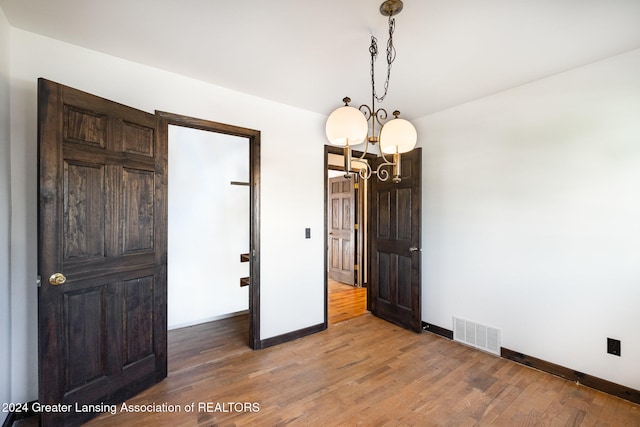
(476, 335)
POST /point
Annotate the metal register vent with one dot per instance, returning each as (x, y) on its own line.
(476, 335)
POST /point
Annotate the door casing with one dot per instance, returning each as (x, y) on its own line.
(165, 119)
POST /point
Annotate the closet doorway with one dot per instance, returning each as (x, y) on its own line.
(213, 224)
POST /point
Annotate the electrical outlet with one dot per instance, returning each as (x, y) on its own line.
(307, 233)
(613, 346)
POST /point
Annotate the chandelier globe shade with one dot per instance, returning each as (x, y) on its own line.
(398, 136)
(346, 126)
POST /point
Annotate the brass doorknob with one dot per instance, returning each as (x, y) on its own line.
(57, 279)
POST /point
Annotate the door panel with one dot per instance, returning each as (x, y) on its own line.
(85, 344)
(138, 327)
(137, 202)
(341, 230)
(84, 187)
(102, 223)
(394, 233)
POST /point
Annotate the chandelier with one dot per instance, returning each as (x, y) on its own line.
(348, 126)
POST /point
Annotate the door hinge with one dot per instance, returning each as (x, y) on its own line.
(356, 267)
(356, 227)
(39, 281)
(355, 185)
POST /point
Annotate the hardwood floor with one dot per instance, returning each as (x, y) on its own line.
(363, 371)
(345, 302)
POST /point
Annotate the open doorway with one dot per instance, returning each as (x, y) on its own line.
(213, 236)
(346, 237)
(208, 226)
(391, 254)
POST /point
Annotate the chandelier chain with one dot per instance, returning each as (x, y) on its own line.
(391, 56)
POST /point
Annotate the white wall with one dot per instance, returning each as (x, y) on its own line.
(5, 217)
(292, 288)
(531, 216)
(209, 223)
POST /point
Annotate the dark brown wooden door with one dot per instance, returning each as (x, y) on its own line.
(102, 224)
(394, 239)
(341, 229)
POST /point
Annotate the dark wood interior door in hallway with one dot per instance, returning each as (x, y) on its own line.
(102, 333)
(341, 229)
(394, 236)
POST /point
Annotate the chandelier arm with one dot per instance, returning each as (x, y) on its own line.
(369, 114)
(378, 116)
(383, 174)
(365, 172)
(386, 161)
(381, 114)
(366, 110)
(364, 153)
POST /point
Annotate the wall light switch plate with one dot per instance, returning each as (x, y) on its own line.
(613, 346)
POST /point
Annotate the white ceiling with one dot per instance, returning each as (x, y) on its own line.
(311, 53)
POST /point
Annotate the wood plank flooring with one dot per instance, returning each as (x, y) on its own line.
(363, 371)
(345, 302)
